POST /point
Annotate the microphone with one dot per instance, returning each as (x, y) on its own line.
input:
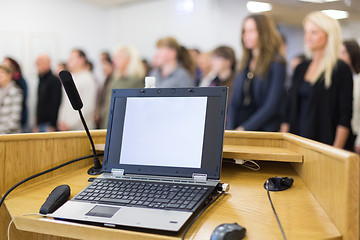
(75, 100)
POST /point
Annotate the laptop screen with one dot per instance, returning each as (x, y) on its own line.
(163, 125)
(170, 132)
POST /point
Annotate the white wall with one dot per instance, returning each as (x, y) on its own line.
(50, 26)
(211, 23)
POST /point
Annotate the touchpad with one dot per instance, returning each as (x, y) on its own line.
(102, 211)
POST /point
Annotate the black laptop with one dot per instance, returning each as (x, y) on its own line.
(161, 163)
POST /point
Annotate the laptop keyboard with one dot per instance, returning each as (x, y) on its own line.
(144, 194)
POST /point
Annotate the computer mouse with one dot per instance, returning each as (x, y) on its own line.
(228, 231)
(56, 199)
(278, 183)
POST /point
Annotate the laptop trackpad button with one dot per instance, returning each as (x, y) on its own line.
(102, 211)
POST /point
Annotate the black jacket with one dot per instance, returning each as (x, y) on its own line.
(328, 107)
(49, 99)
(268, 94)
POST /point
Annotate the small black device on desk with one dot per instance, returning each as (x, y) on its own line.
(56, 199)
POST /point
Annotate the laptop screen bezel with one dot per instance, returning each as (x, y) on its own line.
(213, 132)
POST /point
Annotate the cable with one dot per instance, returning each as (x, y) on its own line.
(273, 208)
(12, 220)
(256, 168)
(201, 212)
(96, 169)
(42, 173)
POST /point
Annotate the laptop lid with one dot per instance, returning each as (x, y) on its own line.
(172, 132)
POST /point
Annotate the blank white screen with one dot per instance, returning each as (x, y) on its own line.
(164, 131)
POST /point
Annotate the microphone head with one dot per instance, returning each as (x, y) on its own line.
(71, 90)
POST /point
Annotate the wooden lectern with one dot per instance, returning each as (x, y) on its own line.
(323, 202)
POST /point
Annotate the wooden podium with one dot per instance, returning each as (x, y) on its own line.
(322, 204)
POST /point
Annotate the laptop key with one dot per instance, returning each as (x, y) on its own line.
(119, 201)
(191, 205)
(173, 205)
(160, 200)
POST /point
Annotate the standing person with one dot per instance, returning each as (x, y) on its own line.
(223, 64)
(350, 53)
(85, 82)
(258, 89)
(175, 67)
(10, 102)
(49, 96)
(21, 82)
(108, 70)
(320, 99)
(129, 72)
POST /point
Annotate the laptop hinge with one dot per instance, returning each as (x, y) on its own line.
(199, 177)
(117, 172)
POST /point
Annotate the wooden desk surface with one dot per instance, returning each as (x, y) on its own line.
(247, 204)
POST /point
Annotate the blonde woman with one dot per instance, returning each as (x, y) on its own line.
(129, 72)
(258, 89)
(320, 101)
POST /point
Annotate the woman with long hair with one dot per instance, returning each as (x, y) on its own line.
(128, 72)
(320, 100)
(258, 89)
(10, 102)
(350, 53)
(175, 67)
(21, 82)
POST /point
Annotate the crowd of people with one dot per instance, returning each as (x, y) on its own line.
(321, 101)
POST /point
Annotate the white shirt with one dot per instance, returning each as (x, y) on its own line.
(86, 86)
(355, 121)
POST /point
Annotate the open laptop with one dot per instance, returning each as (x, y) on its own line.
(161, 163)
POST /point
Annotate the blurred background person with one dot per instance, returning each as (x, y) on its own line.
(175, 67)
(350, 54)
(146, 66)
(105, 56)
(11, 97)
(48, 96)
(204, 64)
(21, 82)
(223, 64)
(128, 72)
(320, 99)
(295, 61)
(195, 53)
(108, 69)
(258, 89)
(85, 82)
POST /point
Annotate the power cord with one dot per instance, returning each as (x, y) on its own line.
(12, 220)
(42, 173)
(253, 166)
(201, 212)
(273, 208)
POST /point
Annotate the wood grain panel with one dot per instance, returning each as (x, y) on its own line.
(332, 175)
(23, 155)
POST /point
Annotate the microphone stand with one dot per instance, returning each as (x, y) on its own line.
(96, 169)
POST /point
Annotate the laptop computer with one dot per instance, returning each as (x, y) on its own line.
(162, 160)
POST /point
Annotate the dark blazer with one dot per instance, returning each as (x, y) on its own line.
(49, 99)
(268, 94)
(328, 107)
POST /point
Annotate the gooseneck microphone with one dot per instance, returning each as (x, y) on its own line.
(75, 100)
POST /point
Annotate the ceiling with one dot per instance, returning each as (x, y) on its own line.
(290, 12)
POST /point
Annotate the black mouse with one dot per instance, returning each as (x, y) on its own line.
(278, 183)
(228, 231)
(56, 199)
